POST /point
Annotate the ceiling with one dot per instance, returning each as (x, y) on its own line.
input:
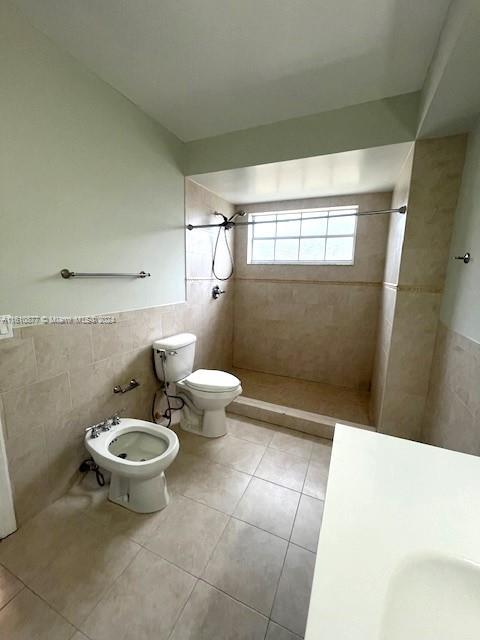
(363, 171)
(205, 67)
(451, 101)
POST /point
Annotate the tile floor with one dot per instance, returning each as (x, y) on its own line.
(231, 558)
(326, 399)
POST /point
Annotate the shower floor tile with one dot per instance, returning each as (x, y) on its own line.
(316, 397)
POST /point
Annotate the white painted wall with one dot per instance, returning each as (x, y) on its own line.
(461, 300)
(87, 182)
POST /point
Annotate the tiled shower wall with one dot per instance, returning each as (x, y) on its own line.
(396, 231)
(452, 411)
(56, 380)
(313, 323)
(416, 266)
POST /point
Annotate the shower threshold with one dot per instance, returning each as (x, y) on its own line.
(311, 407)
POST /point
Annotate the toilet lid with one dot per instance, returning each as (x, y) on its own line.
(212, 380)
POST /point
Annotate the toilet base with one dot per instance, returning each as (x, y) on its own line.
(141, 496)
(208, 423)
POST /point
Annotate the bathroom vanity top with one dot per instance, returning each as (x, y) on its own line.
(399, 550)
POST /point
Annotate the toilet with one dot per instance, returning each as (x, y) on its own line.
(136, 453)
(205, 392)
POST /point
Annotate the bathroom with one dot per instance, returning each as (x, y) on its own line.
(239, 323)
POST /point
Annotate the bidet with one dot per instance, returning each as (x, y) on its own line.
(136, 453)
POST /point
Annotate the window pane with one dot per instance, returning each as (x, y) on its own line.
(312, 249)
(314, 227)
(285, 229)
(341, 226)
(339, 249)
(286, 249)
(264, 230)
(263, 249)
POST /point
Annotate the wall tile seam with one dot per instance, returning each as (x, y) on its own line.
(437, 415)
(70, 394)
(412, 288)
(35, 366)
(41, 429)
(205, 278)
(68, 372)
(447, 379)
(462, 336)
(18, 329)
(32, 384)
(355, 283)
(473, 414)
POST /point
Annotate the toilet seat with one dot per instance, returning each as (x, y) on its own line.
(211, 381)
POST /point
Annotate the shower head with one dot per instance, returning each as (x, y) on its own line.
(237, 214)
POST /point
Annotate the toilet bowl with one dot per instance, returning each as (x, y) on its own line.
(136, 453)
(205, 392)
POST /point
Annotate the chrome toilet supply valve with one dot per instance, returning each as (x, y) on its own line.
(216, 292)
(466, 257)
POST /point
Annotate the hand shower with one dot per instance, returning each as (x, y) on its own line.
(228, 223)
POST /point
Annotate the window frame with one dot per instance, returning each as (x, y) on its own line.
(286, 213)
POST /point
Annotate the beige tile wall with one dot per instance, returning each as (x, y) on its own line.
(452, 410)
(369, 251)
(382, 351)
(56, 380)
(396, 232)
(403, 368)
(314, 323)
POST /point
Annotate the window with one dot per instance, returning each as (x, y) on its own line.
(310, 236)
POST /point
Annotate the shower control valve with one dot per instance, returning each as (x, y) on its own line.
(216, 292)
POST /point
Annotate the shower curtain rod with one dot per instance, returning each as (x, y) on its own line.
(228, 224)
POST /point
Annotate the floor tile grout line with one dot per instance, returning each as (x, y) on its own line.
(244, 604)
(16, 592)
(182, 610)
(222, 464)
(216, 544)
(266, 447)
(260, 444)
(296, 514)
(32, 590)
(278, 582)
(265, 615)
(231, 516)
(283, 486)
(50, 606)
(110, 587)
(202, 578)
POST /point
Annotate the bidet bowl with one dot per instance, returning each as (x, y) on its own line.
(134, 449)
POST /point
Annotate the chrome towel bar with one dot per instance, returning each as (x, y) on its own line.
(66, 273)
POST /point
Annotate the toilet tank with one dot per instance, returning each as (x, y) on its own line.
(180, 353)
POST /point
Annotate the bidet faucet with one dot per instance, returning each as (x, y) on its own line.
(94, 430)
(105, 425)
